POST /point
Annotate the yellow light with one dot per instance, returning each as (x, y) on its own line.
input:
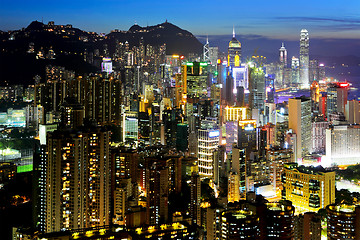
(175, 56)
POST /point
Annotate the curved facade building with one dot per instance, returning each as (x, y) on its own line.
(343, 221)
(239, 224)
(279, 220)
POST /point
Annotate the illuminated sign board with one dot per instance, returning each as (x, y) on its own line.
(249, 128)
(213, 134)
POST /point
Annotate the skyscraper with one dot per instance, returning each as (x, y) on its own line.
(283, 55)
(300, 123)
(234, 52)
(208, 140)
(304, 59)
(295, 79)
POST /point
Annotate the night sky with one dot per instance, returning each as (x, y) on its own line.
(262, 19)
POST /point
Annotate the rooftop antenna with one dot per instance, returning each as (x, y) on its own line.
(233, 31)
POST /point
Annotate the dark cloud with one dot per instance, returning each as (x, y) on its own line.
(269, 47)
(318, 19)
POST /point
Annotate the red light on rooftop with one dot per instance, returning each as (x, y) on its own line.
(344, 85)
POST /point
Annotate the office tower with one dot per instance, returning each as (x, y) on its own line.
(233, 187)
(337, 94)
(343, 145)
(130, 129)
(247, 136)
(234, 52)
(77, 179)
(307, 226)
(239, 165)
(180, 91)
(295, 77)
(229, 90)
(276, 158)
(257, 88)
(182, 142)
(240, 96)
(352, 111)
(206, 51)
(322, 104)
(144, 129)
(213, 55)
(283, 55)
(234, 113)
(239, 224)
(171, 118)
(309, 188)
(304, 59)
(241, 76)
(195, 79)
(195, 198)
(314, 71)
(208, 141)
(157, 193)
(279, 220)
(231, 134)
(319, 136)
(300, 123)
(343, 221)
(315, 97)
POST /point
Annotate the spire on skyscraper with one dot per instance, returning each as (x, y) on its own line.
(233, 31)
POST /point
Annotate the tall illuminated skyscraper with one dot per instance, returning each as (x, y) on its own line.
(295, 79)
(208, 141)
(304, 59)
(283, 55)
(300, 123)
(234, 52)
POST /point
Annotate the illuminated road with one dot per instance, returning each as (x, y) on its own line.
(344, 184)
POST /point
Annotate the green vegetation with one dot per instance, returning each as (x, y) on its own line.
(345, 196)
(352, 173)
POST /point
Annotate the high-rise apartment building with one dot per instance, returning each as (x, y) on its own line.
(77, 179)
(195, 198)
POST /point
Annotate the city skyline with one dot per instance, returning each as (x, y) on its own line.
(273, 20)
